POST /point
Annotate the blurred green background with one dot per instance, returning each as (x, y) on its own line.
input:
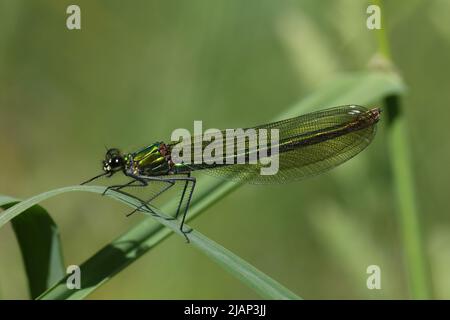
(138, 70)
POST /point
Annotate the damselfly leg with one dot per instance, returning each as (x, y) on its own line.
(168, 185)
(188, 189)
(141, 183)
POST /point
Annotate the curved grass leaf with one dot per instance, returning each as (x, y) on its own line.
(261, 283)
(40, 246)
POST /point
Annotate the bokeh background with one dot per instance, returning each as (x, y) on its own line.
(138, 70)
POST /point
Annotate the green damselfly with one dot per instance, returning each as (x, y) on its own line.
(307, 145)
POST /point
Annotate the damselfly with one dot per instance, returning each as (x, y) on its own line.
(307, 145)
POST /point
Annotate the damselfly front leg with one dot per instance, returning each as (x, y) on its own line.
(143, 203)
(140, 183)
(117, 187)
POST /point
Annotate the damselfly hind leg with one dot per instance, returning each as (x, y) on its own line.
(187, 180)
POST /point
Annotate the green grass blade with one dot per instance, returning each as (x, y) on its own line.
(361, 88)
(40, 246)
(261, 283)
(409, 221)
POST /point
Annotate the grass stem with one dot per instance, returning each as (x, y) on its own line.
(409, 221)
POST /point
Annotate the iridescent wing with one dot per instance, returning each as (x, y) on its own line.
(308, 145)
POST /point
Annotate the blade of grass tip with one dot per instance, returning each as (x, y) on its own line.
(40, 246)
(409, 221)
(361, 88)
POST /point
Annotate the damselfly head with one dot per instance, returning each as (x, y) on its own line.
(113, 162)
